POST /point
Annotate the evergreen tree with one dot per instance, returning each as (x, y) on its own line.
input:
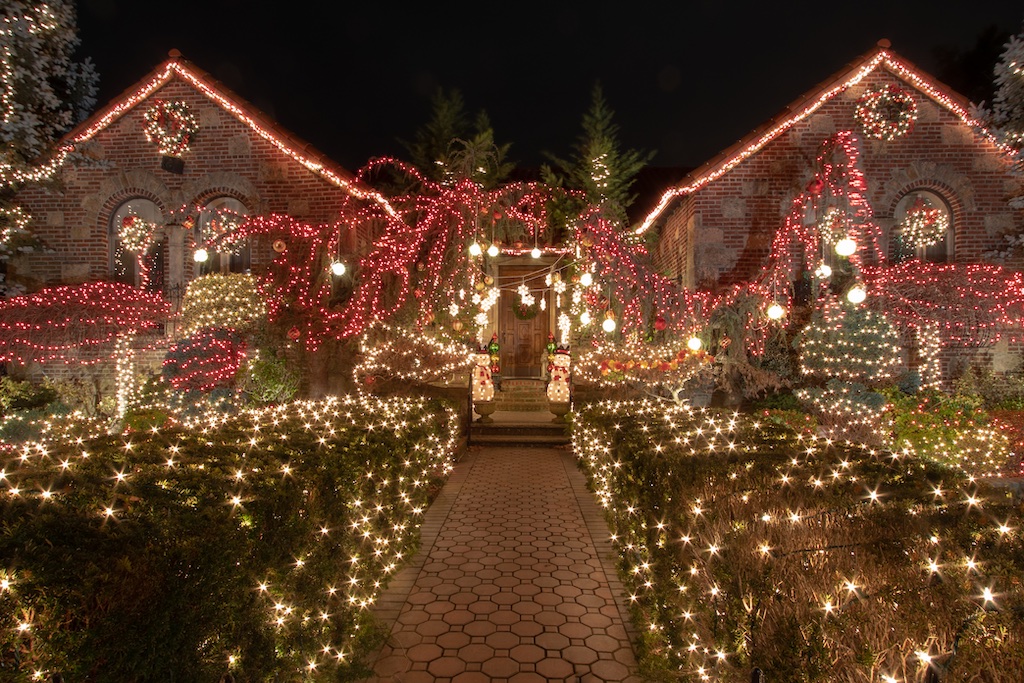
(44, 91)
(451, 146)
(598, 166)
(1008, 105)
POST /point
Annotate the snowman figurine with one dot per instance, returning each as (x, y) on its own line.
(558, 386)
(483, 387)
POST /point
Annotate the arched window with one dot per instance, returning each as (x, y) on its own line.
(133, 220)
(221, 215)
(923, 228)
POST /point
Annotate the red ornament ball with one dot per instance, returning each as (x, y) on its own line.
(294, 333)
(127, 220)
(280, 246)
(660, 324)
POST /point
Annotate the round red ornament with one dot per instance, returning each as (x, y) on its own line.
(280, 246)
(660, 324)
(294, 333)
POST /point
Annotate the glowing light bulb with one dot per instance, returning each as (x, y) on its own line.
(201, 255)
(338, 268)
(846, 247)
(694, 344)
(493, 250)
(609, 324)
(535, 253)
(585, 317)
(856, 294)
(775, 311)
(824, 271)
(475, 249)
(586, 279)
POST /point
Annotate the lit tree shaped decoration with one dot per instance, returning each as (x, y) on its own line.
(925, 225)
(886, 113)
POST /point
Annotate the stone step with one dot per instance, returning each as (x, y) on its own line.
(526, 440)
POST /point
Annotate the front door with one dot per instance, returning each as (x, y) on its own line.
(523, 336)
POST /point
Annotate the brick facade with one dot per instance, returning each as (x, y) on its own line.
(721, 233)
(72, 213)
(718, 230)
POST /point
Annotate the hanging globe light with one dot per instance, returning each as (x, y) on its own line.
(535, 253)
(856, 294)
(338, 268)
(824, 271)
(609, 322)
(493, 250)
(694, 344)
(585, 317)
(846, 247)
(586, 279)
(475, 249)
(201, 255)
(775, 311)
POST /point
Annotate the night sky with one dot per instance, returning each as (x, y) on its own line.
(686, 81)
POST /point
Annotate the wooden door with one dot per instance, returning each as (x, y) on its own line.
(523, 342)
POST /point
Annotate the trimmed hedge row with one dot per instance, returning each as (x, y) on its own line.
(746, 544)
(250, 547)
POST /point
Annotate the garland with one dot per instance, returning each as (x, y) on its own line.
(925, 225)
(171, 126)
(886, 113)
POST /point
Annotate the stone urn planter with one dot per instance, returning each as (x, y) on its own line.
(560, 410)
(484, 410)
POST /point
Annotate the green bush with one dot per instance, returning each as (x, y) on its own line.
(15, 395)
(248, 547)
(951, 429)
(745, 544)
(995, 391)
(270, 379)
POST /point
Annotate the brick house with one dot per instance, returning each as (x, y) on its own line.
(716, 226)
(106, 168)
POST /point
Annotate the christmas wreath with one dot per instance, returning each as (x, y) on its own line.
(135, 234)
(925, 225)
(832, 226)
(171, 126)
(523, 311)
(886, 113)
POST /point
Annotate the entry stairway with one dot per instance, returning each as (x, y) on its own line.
(521, 418)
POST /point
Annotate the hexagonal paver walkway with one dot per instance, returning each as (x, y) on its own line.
(514, 580)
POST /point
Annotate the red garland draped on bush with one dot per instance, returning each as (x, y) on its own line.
(75, 324)
(972, 304)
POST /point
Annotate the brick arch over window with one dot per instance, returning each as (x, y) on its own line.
(222, 184)
(119, 188)
(156, 254)
(953, 187)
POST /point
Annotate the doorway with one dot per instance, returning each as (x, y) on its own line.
(523, 332)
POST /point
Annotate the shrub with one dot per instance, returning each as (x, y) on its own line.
(744, 544)
(270, 379)
(15, 395)
(207, 360)
(951, 429)
(229, 300)
(249, 547)
(995, 391)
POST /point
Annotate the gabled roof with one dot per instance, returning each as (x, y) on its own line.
(880, 57)
(176, 66)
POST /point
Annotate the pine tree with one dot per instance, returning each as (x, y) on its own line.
(598, 166)
(450, 146)
(44, 91)
(1008, 104)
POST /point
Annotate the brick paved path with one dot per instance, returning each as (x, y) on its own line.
(514, 580)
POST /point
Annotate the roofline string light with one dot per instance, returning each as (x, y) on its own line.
(884, 58)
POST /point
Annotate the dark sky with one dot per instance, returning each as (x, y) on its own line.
(686, 78)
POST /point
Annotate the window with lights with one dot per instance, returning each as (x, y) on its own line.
(132, 235)
(220, 216)
(922, 229)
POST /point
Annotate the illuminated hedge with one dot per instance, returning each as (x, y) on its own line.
(222, 300)
(747, 545)
(252, 548)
